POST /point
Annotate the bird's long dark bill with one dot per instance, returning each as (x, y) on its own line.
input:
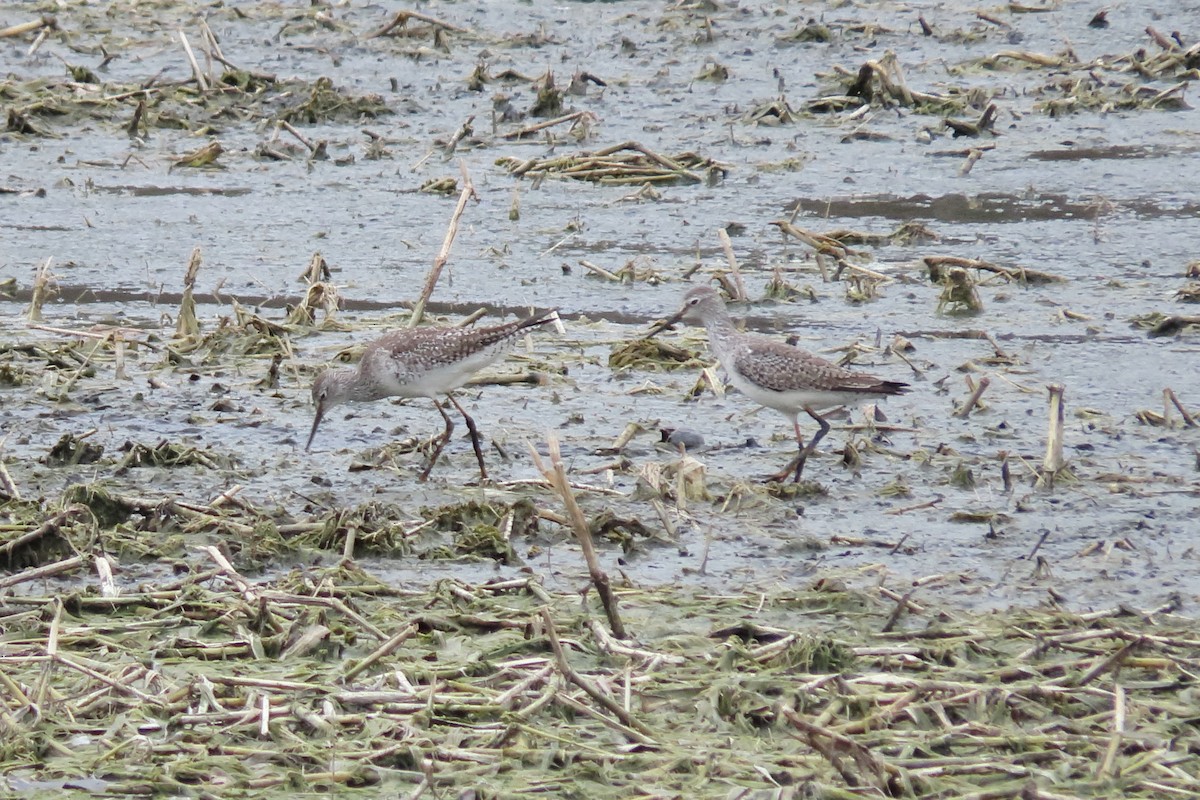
(313, 432)
(662, 326)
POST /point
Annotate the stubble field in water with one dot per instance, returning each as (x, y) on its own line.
(1086, 174)
(1098, 197)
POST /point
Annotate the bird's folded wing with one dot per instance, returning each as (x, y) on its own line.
(783, 368)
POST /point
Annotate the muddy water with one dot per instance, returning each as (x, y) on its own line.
(1102, 199)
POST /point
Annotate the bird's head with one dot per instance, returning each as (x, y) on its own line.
(698, 305)
(327, 392)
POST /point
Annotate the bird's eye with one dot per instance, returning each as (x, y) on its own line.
(693, 301)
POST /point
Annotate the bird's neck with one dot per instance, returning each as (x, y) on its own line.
(722, 334)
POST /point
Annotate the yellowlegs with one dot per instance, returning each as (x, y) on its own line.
(778, 375)
(420, 362)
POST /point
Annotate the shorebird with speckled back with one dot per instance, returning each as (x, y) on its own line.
(420, 362)
(778, 375)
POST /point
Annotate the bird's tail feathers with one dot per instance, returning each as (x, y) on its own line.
(543, 318)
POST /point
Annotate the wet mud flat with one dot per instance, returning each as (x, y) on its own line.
(988, 204)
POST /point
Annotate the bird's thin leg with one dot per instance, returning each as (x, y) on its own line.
(441, 440)
(805, 452)
(474, 438)
(790, 468)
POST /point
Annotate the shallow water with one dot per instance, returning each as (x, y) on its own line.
(1101, 199)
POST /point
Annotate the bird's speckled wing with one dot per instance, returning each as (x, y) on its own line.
(410, 354)
(780, 367)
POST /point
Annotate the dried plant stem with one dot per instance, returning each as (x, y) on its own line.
(1021, 274)
(601, 271)
(972, 157)
(1169, 396)
(44, 571)
(909, 604)
(1111, 663)
(843, 264)
(640, 165)
(382, 651)
(317, 270)
(569, 672)
(898, 611)
(831, 744)
(402, 17)
(118, 342)
(531, 378)
(549, 123)
(973, 400)
(23, 28)
(669, 163)
(468, 191)
(556, 474)
(727, 246)
(43, 289)
(48, 527)
(463, 132)
(108, 583)
(300, 137)
(201, 81)
(187, 326)
(824, 245)
(7, 486)
(1106, 768)
(610, 645)
(1053, 463)
(100, 334)
(230, 574)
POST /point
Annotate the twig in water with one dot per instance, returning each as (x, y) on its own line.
(1188, 419)
(313, 148)
(187, 326)
(214, 47)
(44, 287)
(972, 157)
(468, 191)
(556, 474)
(574, 116)
(45, 22)
(402, 17)
(42, 572)
(201, 81)
(939, 264)
(894, 617)
(727, 246)
(601, 271)
(927, 504)
(973, 400)
(1054, 462)
(1045, 535)
(8, 488)
(463, 132)
(240, 584)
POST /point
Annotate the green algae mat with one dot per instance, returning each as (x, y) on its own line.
(325, 680)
